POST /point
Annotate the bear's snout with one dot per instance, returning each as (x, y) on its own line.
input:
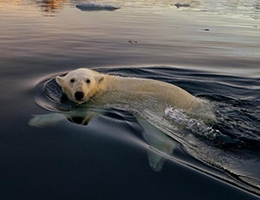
(79, 96)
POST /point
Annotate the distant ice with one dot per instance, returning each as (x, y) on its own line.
(178, 5)
(93, 6)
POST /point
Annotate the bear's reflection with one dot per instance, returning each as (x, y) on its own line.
(79, 120)
(159, 144)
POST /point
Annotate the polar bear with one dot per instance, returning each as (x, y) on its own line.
(88, 86)
(146, 98)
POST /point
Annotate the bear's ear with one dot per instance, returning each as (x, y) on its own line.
(59, 80)
(99, 78)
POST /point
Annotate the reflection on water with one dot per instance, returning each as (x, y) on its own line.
(242, 8)
(50, 6)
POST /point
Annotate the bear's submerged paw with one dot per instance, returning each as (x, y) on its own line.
(45, 120)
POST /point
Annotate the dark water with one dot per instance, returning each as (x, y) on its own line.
(210, 49)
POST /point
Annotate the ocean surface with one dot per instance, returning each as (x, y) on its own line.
(211, 48)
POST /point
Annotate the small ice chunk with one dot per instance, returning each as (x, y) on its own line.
(178, 5)
(93, 6)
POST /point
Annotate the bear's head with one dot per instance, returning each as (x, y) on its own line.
(81, 84)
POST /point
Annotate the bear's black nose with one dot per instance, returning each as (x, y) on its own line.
(79, 95)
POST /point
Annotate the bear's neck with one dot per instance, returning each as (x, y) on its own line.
(126, 84)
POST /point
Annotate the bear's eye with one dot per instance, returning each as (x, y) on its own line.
(72, 80)
(87, 81)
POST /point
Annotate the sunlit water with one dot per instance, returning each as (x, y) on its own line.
(209, 48)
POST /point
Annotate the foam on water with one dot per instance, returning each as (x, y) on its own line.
(181, 119)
